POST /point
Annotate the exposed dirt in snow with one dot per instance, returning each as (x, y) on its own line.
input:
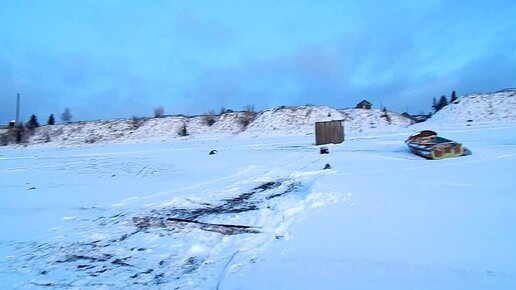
(109, 250)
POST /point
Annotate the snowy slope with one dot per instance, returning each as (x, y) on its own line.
(280, 121)
(136, 129)
(292, 120)
(301, 120)
(479, 108)
(359, 120)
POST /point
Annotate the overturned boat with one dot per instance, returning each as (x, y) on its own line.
(428, 145)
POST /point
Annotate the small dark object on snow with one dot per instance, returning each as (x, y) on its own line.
(213, 152)
(325, 150)
(32, 188)
(327, 166)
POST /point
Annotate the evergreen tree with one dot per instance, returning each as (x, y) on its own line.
(443, 102)
(438, 105)
(435, 106)
(453, 97)
(32, 123)
(51, 120)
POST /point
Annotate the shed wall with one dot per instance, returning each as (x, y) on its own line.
(329, 132)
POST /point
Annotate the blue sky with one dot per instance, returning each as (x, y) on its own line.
(111, 59)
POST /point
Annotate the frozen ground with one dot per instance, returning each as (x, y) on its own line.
(407, 223)
(261, 214)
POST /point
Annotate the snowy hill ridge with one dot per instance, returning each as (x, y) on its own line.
(301, 120)
(282, 121)
(480, 108)
(278, 121)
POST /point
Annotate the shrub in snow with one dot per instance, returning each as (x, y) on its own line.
(386, 115)
(4, 139)
(18, 134)
(245, 119)
(208, 118)
(182, 131)
(247, 116)
(223, 111)
(137, 122)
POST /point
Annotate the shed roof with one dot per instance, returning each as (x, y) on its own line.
(365, 102)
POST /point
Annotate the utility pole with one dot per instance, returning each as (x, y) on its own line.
(17, 109)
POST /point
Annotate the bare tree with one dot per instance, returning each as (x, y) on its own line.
(159, 112)
(249, 109)
(66, 116)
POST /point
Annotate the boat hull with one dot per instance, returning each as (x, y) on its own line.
(428, 145)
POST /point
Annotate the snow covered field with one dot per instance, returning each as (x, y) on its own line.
(261, 214)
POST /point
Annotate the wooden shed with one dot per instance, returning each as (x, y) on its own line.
(364, 104)
(329, 132)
